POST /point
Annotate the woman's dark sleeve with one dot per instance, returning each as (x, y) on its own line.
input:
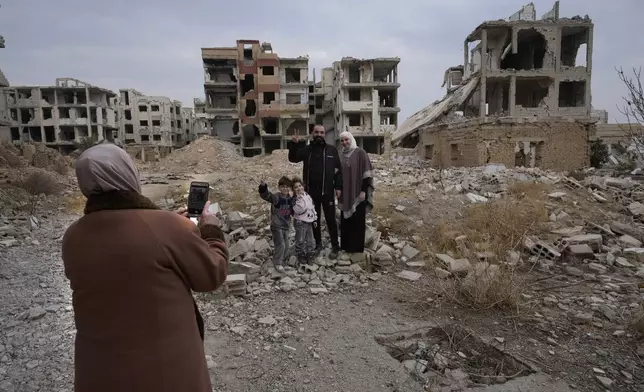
(365, 184)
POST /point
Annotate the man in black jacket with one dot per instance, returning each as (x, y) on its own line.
(322, 176)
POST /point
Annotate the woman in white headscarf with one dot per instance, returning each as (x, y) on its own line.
(132, 267)
(357, 194)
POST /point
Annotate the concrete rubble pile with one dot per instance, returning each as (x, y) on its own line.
(251, 251)
(204, 155)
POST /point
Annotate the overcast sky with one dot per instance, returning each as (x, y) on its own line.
(154, 45)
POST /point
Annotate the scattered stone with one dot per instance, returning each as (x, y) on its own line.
(409, 275)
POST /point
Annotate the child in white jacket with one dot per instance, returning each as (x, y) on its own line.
(305, 217)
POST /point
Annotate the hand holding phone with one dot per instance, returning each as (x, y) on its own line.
(197, 198)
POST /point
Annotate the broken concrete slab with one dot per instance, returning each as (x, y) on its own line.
(409, 275)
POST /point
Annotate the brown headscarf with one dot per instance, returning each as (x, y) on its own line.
(106, 168)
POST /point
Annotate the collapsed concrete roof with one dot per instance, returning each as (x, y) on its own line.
(432, 112)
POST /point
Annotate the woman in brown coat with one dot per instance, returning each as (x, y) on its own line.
(132, 268)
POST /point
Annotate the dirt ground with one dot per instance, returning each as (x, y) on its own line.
(297, 341)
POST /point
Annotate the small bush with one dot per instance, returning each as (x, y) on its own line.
(74, 203)
(598, 154)
(490, 286)
(61, 167)
(637, 323)
(39, 183)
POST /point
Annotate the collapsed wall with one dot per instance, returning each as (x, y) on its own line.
(544, 144)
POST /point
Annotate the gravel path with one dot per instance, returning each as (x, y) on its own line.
(36, 321)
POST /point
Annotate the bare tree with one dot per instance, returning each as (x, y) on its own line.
(633, 109)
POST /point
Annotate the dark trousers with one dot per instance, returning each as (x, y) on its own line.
(325, 203)
(352, 230)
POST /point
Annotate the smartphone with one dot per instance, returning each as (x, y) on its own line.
(197, 198)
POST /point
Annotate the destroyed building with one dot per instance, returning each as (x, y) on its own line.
(365, 99)
(523, 97)
(253, 97)
(5, 120)
(60, 115)
(152, 124)
(256, 99)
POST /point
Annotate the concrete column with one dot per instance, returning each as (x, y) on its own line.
(589, 68)
(484, 65)
(557, 50)
(512, 96)
(375, 111)
(466, 58)
(515, 40)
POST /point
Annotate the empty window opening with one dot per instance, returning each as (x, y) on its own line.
(531, 51)
(34, 134)
(311, 109)
(81, 97)
(269, 97)
(154, 108)
(129, 128)
(388, 119)
(272, 145)
(93, 115)
(532, 93)
(429, 152)
(387, 99)
(270, 126)
(573, 46)
(156, 123)
(319, 102)
(15, 134)
(26, 115)
(293, 75)
(24, 94)
(47, 113)
(248, 52)
(251, 136)
(572, 94)
(67, 134)
(156, 138)
(355, 120)
(354, 74)
(179, 124)
(354, 94)
(50, 135)
(68, 97)
(14, 114)
(143, 108)
(455, 152)
(125, 97)
(63, 113)
(82, 112)
(143, 123)
(498, 92)
(172, 110)
(268, 70)
(225, 75)
(145, 138)
(247, 84)
(128, 114)
(251, 108)
(293, 99)
(371, 145)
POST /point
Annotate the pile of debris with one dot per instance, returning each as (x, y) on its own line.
(204, 155)
(251, 251)
(34, 154)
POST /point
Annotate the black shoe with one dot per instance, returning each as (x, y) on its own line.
(334, 253)
(318, 250)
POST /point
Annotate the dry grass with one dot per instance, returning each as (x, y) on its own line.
(637, 323)
(391, 220)
(74, 203)
(24, 192)
(495, 229)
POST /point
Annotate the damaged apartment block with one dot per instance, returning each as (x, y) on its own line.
(257, 100)
(365, 96)
(150, 126)
(522, 98)
(60, 115)
(253, 97)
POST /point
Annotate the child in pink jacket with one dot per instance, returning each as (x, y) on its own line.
(304, 216)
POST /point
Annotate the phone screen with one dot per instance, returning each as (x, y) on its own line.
(197, 198)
